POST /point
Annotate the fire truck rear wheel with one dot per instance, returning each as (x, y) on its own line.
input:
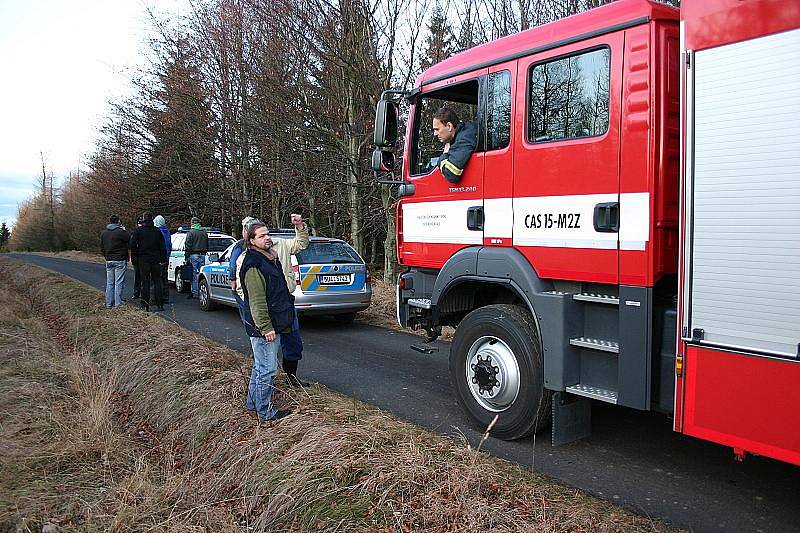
(496, 369)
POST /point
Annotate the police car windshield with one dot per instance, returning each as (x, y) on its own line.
(328, 252)
(218, 244)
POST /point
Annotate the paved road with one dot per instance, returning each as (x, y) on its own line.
(632, 458)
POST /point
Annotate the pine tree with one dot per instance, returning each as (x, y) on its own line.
(5, 234)
(181, 157)
(439, 42)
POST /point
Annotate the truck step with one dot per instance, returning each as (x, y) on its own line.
(596, 344)
(425, 348)
(422, 303)
(596, 298)
(596, 393)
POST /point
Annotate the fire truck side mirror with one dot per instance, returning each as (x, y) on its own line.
(382, 160)
(385, 124)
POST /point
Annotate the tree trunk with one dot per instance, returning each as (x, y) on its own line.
(353, 170)
(389, 248)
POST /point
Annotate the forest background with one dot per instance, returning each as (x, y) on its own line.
(266, 108)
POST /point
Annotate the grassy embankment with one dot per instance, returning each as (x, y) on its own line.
(121, 420)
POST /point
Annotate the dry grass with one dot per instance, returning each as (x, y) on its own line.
(119, 420)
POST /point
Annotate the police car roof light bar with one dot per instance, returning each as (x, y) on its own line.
(184, 229)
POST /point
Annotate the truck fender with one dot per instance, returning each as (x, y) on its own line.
(496, 265)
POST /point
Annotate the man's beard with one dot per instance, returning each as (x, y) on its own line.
(269, 252)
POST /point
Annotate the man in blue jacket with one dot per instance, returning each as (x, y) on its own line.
(161, 224)
(460, 140)
(238, 248)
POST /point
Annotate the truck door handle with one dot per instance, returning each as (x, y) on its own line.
(475, 218)
(606, 217)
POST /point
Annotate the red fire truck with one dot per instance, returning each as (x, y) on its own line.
(628, 228)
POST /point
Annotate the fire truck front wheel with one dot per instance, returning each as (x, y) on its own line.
(496, 370)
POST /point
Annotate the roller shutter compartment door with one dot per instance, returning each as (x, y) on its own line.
(745, 224)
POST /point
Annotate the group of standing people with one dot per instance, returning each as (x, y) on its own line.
(148, 248)
(262, 282)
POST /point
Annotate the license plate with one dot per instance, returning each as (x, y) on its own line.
(335, 279)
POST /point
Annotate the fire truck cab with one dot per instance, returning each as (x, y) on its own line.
(605, 241)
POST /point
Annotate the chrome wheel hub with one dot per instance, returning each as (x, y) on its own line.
(492, 374)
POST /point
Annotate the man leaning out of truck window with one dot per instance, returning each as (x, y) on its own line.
(460, 140)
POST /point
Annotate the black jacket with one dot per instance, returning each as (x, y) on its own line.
(147, 244)
(114, 243)
(196, 243)
(452, 163)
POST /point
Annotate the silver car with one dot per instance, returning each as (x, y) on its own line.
(330, 279)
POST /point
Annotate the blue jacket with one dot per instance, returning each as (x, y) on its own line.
(235, 253)
(167, 239)
(452, 163)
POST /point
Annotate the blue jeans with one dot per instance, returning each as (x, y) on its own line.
(265, 366)
(115, 282)
(197, 261)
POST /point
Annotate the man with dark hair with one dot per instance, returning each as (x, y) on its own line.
(269, 311)
(460, 140)
(291, 341)
(114, 247)
(196, 248)
(147, 245)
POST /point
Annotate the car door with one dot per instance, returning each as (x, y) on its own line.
(218, 278)
(176, 256)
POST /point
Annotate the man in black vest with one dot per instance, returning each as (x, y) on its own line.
(268, 311)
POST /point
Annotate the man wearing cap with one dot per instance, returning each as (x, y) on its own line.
(196, 248)
(291, 342)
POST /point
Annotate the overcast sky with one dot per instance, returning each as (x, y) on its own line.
(61, 62)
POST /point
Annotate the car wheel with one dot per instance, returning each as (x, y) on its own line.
(496, 369)
(206, 303)
(180, 285)
(345, 318)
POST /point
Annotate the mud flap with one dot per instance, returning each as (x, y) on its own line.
(572, 418)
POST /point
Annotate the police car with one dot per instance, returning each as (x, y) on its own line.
(330, 279)
(217, 242)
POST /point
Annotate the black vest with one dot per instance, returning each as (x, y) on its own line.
(280, 304)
